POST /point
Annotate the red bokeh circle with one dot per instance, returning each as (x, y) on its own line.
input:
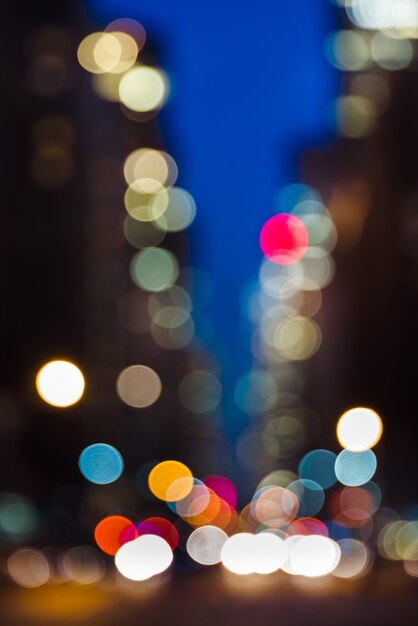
(284, 239)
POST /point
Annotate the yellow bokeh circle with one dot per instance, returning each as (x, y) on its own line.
(170, 481)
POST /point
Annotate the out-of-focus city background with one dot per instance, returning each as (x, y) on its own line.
(209, 268)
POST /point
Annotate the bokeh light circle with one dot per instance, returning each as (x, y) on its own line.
(154, 269)
(284, 239)
(314, 556)
(359, 429)
(355, 468)
(138, 386)
(115, 52)
(146, 199)
(205, 544)
(236, 553)
(143, 89)
(180, 212)
(170, 481)
(85, 53)
(274, 506)
(60, 383)
(297, 338)
(355, 559)
(83, 565)
(113, 531)
(319, 466)
(101, 463)
(28, 567)
(152, 164)
(144, 557)
(18, 516)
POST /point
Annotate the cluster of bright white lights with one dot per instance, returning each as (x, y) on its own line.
(383, 14)
(310, 556)
(245, 553)
(144, 557)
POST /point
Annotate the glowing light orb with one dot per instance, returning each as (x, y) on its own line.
(391, 53)
(28, 567)
(170, 481)
(115, 52)
(114, 531)
(284, 239)
(180, 212)
(154, 269)
(83, 565)
(314, 556)
(355, 468)
(144, 557)
(149, 163)
(204, 545)
(146, 199)
(348, 50)
(353, 506)
(60, 383)
(237, 553)
(143, 89)
(355, 559)
(100, 463)
(85, 53)
(359, 429)
(297, 338)
(274, 506)
(138, 386)
(319, 466)
(18, 516)
(406, 541)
